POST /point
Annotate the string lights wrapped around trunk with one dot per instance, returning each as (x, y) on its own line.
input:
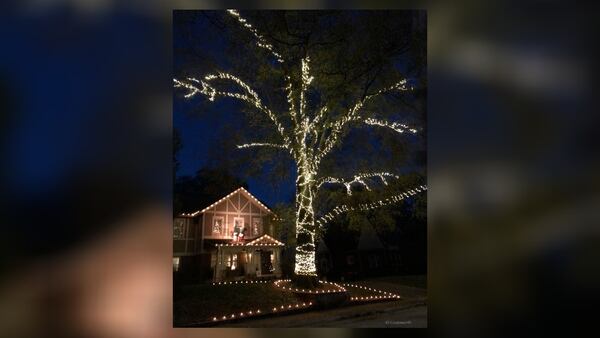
(299, 138)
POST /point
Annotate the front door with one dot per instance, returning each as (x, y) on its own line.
(266, 262)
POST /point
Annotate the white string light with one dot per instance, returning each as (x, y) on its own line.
(398, 127)
(383, 294)
(340, 209)
(249, 145)
(223, 199)
(300, 140)
(330, 287)
(250, 96)
(261, 42)
(357, 179)
(285, 284)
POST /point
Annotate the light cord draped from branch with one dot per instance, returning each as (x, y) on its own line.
(340, 209)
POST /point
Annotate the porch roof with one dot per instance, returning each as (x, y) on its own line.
(262, 241)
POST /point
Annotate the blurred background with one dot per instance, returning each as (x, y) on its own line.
(86, 176)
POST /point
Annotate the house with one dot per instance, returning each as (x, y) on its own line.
(229, 239)
(365, 257)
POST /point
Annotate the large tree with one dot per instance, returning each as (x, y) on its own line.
(355, 69)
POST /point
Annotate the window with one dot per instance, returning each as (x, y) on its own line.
(234, 261)
(238, 228)
(256, 224)
(179, 229)
(175, 263)
(217, 224)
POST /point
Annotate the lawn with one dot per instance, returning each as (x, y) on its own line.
(199, 303)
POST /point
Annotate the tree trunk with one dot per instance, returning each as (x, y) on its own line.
(305, 268)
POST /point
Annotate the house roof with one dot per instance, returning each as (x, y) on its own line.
(264, 240)
(240, 189)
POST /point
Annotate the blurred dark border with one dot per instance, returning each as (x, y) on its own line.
(85, 90)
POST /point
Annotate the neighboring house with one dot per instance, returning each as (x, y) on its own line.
(228, 239)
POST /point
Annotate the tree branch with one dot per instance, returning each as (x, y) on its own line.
(257, 144)
(261, 41)
(250, 95)
(340, 209)
(352, 115)
(397, 127)
(359, 178)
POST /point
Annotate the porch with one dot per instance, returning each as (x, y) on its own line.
(258, 259)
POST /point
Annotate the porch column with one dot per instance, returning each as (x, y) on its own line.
(277, 267)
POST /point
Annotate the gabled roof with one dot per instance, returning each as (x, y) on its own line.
(195, 213)
(265, 240)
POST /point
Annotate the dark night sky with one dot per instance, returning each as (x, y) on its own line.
(200, 133)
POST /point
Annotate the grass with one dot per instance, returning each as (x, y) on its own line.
(199, 303)
(195, 304)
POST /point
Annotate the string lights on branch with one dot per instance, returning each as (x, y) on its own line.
(250, 145)
(340, 209)
(306, 134)
(260, 40)
(397, 127)
(356, 179)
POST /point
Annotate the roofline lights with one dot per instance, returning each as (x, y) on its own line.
(192, 214)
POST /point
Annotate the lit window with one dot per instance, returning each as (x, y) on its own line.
(217, 224)
(238, 229)
(272, 265)
(256, 223)
(234, 262)
(175, 263)
(179, 229)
